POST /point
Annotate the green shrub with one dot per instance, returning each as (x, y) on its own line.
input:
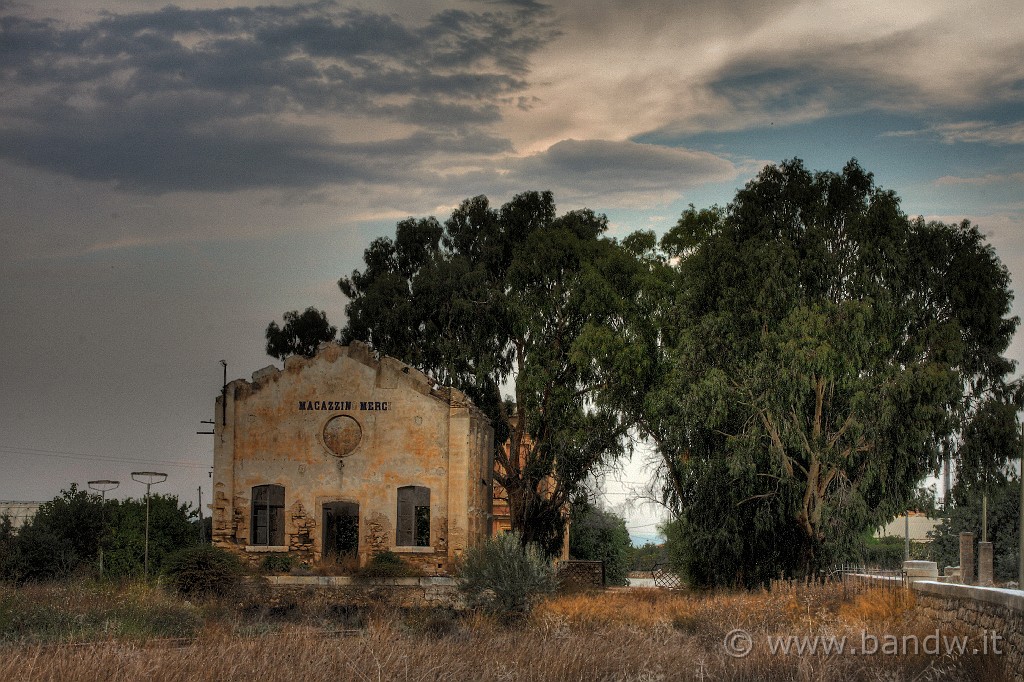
(277, 563)
(503, 576)
(886, 552)
(203, 570)
(387, 565)
(599, 535)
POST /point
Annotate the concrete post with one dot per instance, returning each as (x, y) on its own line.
(920, 570)
(967, 558)
(985, 563)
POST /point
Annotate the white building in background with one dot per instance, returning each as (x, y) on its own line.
(19, 512)
(920, 526)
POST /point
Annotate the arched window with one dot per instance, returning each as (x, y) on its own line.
(267, 515)
(413, 516)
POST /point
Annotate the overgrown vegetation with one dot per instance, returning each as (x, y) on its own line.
(80, 611)
(387, 564)
(505, 576)
(635, 635)
(277, 563)
(203, 571)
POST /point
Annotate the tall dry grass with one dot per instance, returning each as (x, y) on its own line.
(642, 635)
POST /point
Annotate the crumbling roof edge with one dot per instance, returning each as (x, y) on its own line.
(363, 353)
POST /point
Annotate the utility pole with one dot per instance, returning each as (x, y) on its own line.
(1020, 527)
(906, 535)
(224, 395)
(202, 526)
(102, 486)
(150, 478)
(984, 515)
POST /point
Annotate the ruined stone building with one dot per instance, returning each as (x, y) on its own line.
(346, 455)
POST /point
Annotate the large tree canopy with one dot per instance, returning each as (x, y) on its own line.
(821, 349)
(511, 299)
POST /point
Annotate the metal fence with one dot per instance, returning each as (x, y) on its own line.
(581, 573)
(848, 581)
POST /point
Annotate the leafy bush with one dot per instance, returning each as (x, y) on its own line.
(506, 577)
(277, 563)
(170, 529)
(599, 535)
(884, 552)
(387, 565)
(203, 570)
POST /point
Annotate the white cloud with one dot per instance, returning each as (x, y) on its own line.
(981, 131)
(987, 179)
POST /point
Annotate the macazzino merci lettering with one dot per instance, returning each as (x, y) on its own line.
(343, 405)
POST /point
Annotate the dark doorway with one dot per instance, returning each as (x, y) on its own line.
(341, 529)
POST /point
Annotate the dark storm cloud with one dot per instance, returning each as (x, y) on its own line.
(785, 81)
(225, 98)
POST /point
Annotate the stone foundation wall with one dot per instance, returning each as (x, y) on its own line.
(981, 611)
(389, 592)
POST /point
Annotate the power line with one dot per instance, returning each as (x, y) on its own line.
(645, 525)
(63, 454)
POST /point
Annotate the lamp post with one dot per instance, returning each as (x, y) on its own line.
(150, 478)
(102, 486)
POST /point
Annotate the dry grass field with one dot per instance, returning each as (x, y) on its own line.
(136, 632)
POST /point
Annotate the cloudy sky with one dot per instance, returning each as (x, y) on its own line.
(173, 178)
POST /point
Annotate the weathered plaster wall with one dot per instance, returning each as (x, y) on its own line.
(271, 431)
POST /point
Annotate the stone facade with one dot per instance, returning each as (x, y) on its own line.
(348, 454)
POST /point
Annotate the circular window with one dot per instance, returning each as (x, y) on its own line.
(342, 435)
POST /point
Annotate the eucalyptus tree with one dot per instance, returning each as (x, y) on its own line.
(508, 305)
(301, 333)
(826, 346)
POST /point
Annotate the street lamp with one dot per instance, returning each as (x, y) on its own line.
(150, 478)
(102, 486)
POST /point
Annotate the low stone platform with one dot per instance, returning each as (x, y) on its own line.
(412, 592)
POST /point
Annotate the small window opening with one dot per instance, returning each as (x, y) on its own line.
(267, 515)
(413, 516)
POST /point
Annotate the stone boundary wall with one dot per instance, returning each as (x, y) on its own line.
(981, 610)
(415, 592)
